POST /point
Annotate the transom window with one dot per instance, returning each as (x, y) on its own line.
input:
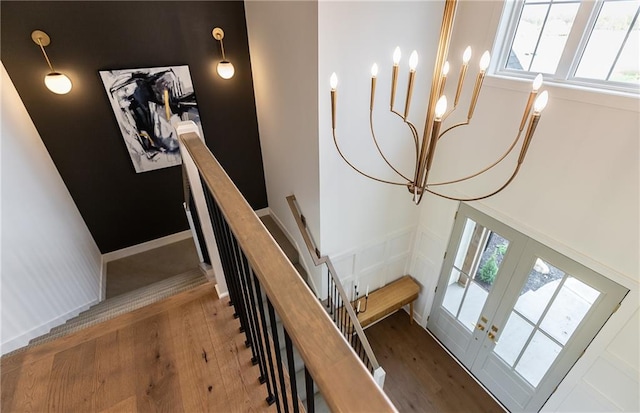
(593, 42)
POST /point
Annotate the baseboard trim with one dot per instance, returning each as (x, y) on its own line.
(262, 212)
(24, 338)
(146, 246)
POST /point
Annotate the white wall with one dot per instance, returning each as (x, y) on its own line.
(578, 192)
(50, 263)
(360, 217)
(283, 43)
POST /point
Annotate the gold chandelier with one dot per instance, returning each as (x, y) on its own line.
(437, 113)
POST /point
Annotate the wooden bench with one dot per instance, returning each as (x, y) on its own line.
(389, 299)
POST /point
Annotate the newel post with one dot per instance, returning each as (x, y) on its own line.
(201, 208)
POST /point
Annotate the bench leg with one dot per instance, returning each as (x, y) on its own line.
(411, 312)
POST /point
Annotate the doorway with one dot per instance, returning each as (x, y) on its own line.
(514, 312)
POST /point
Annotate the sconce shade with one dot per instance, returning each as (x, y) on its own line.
(58, 83)
(225, 69)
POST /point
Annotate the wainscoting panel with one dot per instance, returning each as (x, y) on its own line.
(377, 263)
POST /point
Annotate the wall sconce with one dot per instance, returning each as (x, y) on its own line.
(224, 68)
(55, 81)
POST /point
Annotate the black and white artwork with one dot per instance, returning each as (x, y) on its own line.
(146, 103)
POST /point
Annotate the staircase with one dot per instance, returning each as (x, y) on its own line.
(291, 253)
(286, 246)
(124, 303)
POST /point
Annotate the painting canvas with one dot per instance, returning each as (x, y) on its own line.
(146, 102)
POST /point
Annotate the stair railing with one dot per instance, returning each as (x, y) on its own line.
(261, 282)
(338, 304)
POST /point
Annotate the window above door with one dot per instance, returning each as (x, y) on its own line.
(591, 43)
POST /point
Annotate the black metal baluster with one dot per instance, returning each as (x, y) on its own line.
(243, 266)
(308, 380)
(228, 237)
(272, 397)
(276, 346)
(328, 288)
(335, 307)
(257, 338)
(223, 249)
(345, 318)
(292, 371)
(250, 331)
(233, 285)
(224, 258)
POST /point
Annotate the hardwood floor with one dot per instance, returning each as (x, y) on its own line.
(183, 354)
(421, 376)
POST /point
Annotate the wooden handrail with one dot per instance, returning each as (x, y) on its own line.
(319, 260)
(342, 379)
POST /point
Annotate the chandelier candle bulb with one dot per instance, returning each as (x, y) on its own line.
(367, 292)
(466, 56)
(484, 64)
(333, 81)
(484, 61)
(538, 106)
(537, 82)
(374, 74)
(413, 63)
(394, 75)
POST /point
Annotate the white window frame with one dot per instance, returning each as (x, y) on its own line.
(575, 46)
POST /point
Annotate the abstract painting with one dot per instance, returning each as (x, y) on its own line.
(146, 103)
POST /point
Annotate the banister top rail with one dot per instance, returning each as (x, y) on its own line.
(342, 379)
(317, 259)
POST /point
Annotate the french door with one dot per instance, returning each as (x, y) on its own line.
(516, 313)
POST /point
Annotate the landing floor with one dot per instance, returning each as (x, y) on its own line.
(162, 357)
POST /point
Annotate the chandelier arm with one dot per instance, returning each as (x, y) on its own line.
(511, 178)
(414, 131)
(449, 112)
(375, 141)
(500, 159)
(452, 127)
(335, 141)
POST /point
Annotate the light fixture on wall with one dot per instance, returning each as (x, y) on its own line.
(55, 81)
(224, 68)
(437, 113)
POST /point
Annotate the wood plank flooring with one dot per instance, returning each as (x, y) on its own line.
(421, 376)
(179, 355)
(184, 354)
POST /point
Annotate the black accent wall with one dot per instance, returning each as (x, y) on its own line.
(122, 208)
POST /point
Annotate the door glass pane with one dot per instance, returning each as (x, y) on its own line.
(455, 290)
(542, 282)
(480, 253)
(568, 309)
(537, 358)
(516, 333)
(473, 303)
(491, 252)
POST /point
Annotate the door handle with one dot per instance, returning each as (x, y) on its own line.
(479, 326)
(492, 337)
